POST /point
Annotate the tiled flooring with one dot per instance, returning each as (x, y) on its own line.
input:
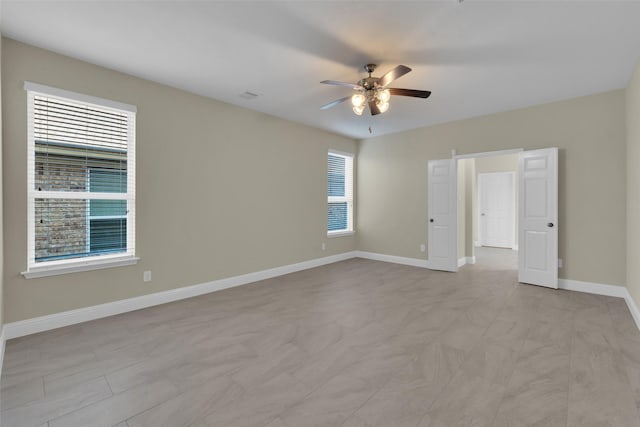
(356, 343)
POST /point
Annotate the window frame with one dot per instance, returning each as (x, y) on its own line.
(70, 265)
(348, 191)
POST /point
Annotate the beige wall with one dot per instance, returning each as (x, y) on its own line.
(1, 206)
(590, 134)
(506, 163)
(207, 171)
(633, 185)
(466, 179)
(221, 190)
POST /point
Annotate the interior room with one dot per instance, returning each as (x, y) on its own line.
(488, 210)
(323, 213)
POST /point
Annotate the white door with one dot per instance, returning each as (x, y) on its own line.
(538, 216)
(496, 194)
(443, 215)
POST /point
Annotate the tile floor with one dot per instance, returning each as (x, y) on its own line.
(356, 343)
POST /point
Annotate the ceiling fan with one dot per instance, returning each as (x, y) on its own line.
(373, 91)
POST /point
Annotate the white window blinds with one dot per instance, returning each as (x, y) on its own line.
(340, 193)
(81, 178)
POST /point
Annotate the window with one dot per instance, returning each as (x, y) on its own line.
(107, 223)
(340, 194)
(81, 173)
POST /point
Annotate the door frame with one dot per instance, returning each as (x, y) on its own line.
(457, 157)
(487, 154)
(514, 201)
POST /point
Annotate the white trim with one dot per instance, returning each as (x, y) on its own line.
(348, 190)
(80, 97)
(80, 195)
(466, 260)
(515, 247)
(340, 233)
(66, 318)
(633, 308)
(2, 341)
(601, 289)
(476, 243)
(31, 161)
(593, 288)
(341, 153)
(414, 262)
(78, 265)
(131, 187)
(85, 314)
(488, 154)
(71, 265)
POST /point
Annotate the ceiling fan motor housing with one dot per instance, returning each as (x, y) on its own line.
(369, 83)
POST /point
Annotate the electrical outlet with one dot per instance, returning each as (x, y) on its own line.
(423, 247)
(560, 263)
(147, 276)
(324, 246)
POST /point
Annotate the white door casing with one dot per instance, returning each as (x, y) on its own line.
(538, 218)
(443, 215)
(496, 209)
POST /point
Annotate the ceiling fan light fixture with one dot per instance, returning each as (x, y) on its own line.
(358, 100)
(382, 106)
(372, 92)
(384, 95)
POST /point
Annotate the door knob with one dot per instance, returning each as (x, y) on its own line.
(431, 220)
(481, 214)
(549, 224)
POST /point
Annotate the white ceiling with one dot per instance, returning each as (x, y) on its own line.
(477, 57)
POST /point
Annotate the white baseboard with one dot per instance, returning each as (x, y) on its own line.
(601, 289)
(71, 317)
(592, 288)
(85, 314)
(633, 308)
(414, 262)
(466, 260)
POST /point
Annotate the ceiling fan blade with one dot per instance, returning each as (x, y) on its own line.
(374, 108)
(335, 83)
(397, 72)
(334, 103)
(410, 92)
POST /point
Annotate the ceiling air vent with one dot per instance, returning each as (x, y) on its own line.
(248, 95)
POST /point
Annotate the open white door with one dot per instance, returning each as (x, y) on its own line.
(538, 215)
(443, 215)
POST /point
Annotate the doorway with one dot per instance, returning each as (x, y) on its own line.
(497, 209)
(488, 211)
(453, 231)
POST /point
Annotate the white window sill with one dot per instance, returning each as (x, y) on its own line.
(76, 266)
(340, 233)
